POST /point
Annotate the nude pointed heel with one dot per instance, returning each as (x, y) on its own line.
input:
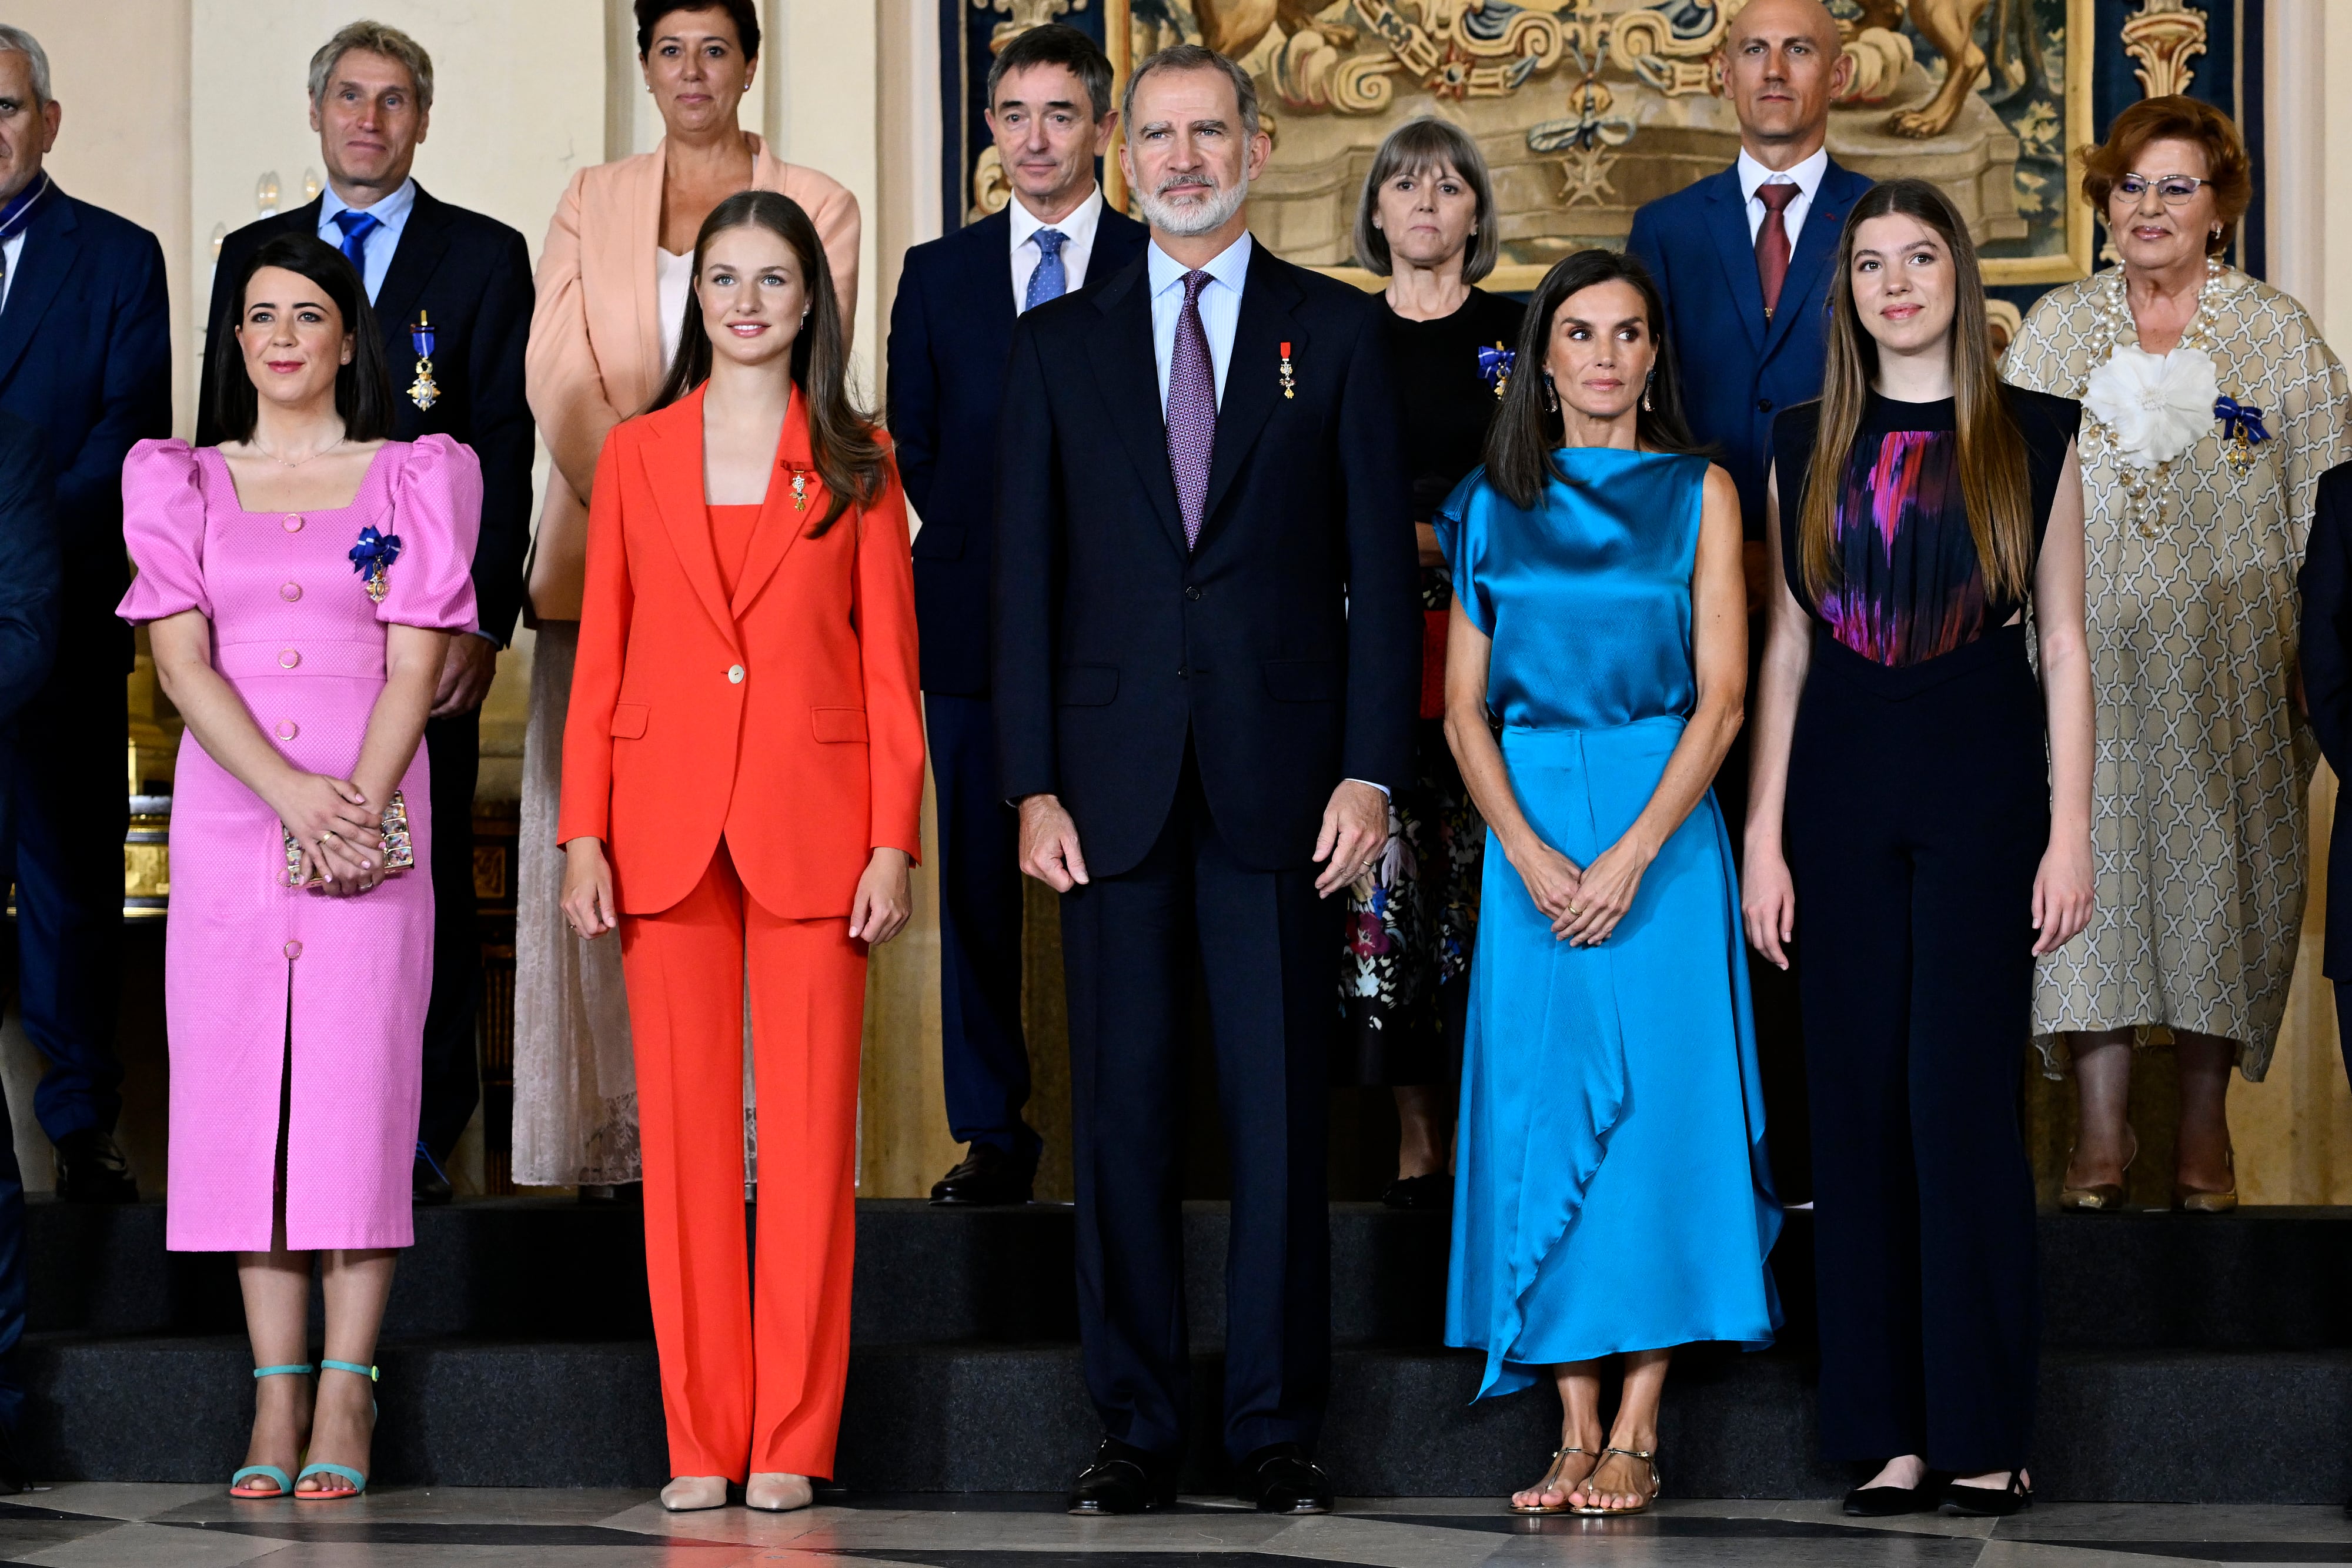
(2104, 1197)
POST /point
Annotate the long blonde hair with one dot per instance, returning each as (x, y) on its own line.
(1993, 481)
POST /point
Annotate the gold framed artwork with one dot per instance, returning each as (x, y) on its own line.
(1587, 109)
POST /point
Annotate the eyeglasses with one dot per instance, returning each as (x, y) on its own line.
(2175, 190)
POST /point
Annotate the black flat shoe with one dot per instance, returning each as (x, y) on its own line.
(987, 1177)
(620, 1195)
(1124, 1478)
(1418, 1192)
(1885, 1503)
(1988, 1502)
(91, 1169)
(428, 1183)
(1281, 1479)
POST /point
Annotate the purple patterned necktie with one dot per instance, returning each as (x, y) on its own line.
(1192, 410)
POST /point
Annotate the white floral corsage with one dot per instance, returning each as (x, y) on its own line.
(2157, 405)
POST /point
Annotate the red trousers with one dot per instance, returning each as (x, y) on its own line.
(752, 1362)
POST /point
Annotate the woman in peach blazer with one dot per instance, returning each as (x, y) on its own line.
(611, 304)
(743, 780)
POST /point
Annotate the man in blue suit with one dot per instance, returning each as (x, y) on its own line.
(951, 333)
(1743, 259)
(85, 356)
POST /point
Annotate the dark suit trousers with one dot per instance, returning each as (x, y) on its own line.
(71, 813)
(1262, 943)
(2344, 1016)
(452, 750)
(983, 1056)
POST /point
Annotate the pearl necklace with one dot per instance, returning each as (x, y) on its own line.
(2147, 492)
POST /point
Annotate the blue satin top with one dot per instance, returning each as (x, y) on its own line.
(1588, 596)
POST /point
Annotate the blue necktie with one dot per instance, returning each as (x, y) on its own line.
(356, 227)
(1049, 281)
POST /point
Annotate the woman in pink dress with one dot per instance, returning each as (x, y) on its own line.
(299, 582)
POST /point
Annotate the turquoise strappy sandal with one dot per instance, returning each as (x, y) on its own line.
(359, 1482)
(237, 1487)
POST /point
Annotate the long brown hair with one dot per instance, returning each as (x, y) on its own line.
(843, 444)
(1993, 482)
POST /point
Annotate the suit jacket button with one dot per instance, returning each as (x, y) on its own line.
(288, 658)
(293, 522)
(1191, 591)
(1180, 671)
(1763, 405)
(290, 592)
(288, 729)
(735, 675)
(292, 949)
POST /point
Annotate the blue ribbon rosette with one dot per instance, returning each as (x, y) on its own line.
(2240, 421)
(372, 556)
(1495, 367)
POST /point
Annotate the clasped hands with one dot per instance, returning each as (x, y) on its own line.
(1355, 831)
(1585, 903)
(340, 835)
(879, 910)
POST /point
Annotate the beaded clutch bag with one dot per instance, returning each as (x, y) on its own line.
(399, 854)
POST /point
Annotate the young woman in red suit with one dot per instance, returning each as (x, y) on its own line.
(742, 778)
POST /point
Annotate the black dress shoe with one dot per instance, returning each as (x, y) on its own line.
(1988, 1502)
(1419, 1192)
(428, 1183)
(91, 1169)
(13, 1477)
(1281, 1479)
(1885, 1503)
(620, 1195)
(1124, 1478)
(987, 1176)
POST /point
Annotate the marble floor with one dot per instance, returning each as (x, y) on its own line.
(118, 1526)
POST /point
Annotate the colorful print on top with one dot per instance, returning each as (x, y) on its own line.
(1910, 586)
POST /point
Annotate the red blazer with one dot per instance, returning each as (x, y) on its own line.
(788, 717)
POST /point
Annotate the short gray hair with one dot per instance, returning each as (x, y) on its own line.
(1192, 57)
(1415, 147)
(376, 39)
(17, 41)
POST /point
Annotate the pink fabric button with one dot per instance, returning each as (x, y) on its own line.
(288, 658)
(290, 592)
(293, 522)
(292, 949)
(288, 729)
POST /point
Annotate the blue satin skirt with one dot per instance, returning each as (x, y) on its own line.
(1610, 1187)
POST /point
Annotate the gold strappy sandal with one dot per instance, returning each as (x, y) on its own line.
(1647, 1457)
(1553, 1478)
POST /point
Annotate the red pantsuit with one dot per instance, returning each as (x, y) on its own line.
(745, 729)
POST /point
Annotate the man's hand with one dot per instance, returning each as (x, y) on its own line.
(1355, 831)
(465, 674)
(1049, 843)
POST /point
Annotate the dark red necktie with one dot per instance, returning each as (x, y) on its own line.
(1772, 241)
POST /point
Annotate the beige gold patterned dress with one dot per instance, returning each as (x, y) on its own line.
(2198, 817)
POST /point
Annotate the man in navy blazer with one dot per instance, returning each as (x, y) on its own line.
(1743, 259)
(85, 356)
(950, 332)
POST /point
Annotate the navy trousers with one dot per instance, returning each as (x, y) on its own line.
(452, 750)
(2344, 1014)
(71, 811)
(982, 1052)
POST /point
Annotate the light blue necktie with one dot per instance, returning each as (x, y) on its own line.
(356, 227)
(1049, 281)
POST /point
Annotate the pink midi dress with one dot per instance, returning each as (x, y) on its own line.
(267, 984)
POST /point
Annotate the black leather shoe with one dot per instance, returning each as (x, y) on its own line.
(1281, 1479)
(987, 1176)
(429, 1183)
(91, 1169)
(620, 1195)
(13, 1477)
(1885, 1503)
(1124, 1478)
(1988, 1502)
(1419, 1192)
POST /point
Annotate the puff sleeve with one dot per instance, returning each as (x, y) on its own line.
(436, 510)
(163, 529)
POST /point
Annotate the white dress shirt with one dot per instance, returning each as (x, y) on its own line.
(391, 213)
(13, 253)
(1078, 245)
(673, 281)
(1221, 308)
(1806, 176)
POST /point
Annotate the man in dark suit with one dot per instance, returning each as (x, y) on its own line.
(30, 591)
(1743, 259)
(2327, 667)
(951, 330)
(1207, 651)
(85, 357)
(452, 293)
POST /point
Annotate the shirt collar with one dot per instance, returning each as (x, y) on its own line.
(1077, 228)
(1806, 176)
(388, 212)
(1229, 266)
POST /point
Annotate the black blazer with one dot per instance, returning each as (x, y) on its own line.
(2327, 583)
(85, 357)
(471, 276)
(1286, 650)
(950, 332)
(30, 571)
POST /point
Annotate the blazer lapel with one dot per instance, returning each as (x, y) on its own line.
(1126, 371)
(673, 466)
(50, 258)
(423, 239)
(780, 524)
(1253, 372)
(1817, 244)
(1727, 222)
(645, 241)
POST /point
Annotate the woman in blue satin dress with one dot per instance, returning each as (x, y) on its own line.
(1611, 1197)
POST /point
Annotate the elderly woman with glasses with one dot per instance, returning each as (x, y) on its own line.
(2211, 409)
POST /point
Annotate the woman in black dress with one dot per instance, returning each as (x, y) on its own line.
(1427, 224)
(1933, 845)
